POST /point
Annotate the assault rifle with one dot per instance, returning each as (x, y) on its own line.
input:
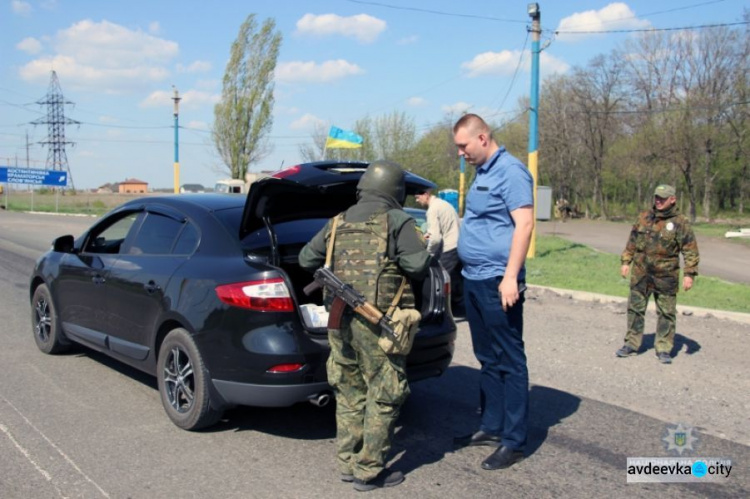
(345, 295)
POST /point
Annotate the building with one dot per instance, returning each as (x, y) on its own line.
(133, 186)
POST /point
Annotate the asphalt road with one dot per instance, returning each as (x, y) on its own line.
(81, 425)
(719, 257)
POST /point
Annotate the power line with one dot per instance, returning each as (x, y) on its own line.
(645, 30)
(438, 12)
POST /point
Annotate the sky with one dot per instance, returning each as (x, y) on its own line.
(340, 61)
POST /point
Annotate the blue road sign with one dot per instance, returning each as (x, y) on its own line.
(33, 176)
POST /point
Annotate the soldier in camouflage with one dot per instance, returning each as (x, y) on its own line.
(653, 249)
(376, 243)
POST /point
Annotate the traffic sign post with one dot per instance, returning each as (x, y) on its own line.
(32, 176)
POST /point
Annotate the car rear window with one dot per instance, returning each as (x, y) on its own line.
(294, 232)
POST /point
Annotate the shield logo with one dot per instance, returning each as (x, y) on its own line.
(680, 438)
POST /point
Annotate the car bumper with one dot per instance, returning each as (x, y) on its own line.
(234, 393)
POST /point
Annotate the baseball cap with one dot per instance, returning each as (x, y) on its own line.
(664, 191)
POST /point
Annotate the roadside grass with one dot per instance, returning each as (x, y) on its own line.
(560, 263)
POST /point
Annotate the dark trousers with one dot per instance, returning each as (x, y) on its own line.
(450, 262)
(497, 338)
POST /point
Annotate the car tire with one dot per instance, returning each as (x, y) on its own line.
(46, 323)
(184, 382)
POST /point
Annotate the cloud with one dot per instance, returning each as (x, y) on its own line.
(307, 122)
(154, 27)
(74, 74)
(30, 45)
(364, 28)
(456, 108)
(504, 64)
(20, 8)
(191, 99)
(416, 101)
(408, 40)
(104, 56)
(195, 67)
(309, 71)
(614, 16)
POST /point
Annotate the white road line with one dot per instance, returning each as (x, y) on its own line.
(59, 451)
(28, 457)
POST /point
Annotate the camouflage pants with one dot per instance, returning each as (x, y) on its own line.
(666, 309)
(370, 387)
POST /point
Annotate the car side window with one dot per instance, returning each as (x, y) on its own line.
(187, 241)
(156, 235)
(109, 240)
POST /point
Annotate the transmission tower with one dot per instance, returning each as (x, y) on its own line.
(55, 120)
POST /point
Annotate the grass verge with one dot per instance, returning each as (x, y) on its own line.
(560, 263)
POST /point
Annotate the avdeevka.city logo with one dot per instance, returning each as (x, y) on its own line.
(680, 438)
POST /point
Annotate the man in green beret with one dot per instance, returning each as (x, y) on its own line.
(653, 250)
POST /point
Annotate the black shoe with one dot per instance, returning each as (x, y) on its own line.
(626, 351)
(664, 357)
(347, 477)
(503, 457)
(385, 478)
(475, 439)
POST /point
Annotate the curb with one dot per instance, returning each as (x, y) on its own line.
(681, 309)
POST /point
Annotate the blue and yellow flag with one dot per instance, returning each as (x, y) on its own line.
(342, 139)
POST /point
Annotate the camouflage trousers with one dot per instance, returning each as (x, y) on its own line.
(370, 388)
(666, 310)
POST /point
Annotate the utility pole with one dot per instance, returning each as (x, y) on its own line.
(176, 100)
(535, 14)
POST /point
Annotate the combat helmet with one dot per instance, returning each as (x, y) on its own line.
(386, 177)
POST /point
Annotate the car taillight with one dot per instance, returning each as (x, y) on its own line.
(287, 172)
(285, 368)
(267, 295)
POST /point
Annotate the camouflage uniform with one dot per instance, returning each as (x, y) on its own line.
(654, 247)
(375, 245)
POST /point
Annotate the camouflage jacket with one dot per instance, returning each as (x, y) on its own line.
(654, 246)
(381, 258)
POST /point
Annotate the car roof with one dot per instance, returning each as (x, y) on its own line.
(208, 202)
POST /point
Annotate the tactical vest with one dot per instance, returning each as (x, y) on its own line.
(360, 258)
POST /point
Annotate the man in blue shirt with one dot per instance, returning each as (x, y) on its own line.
(492, 245)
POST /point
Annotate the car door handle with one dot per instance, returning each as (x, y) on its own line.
(150, 287)
(97, 279)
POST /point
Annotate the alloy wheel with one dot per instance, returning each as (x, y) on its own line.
(42, 320)
(179, 380)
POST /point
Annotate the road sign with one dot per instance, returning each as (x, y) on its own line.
(33, 176)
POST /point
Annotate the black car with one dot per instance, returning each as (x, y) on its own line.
(204, 291)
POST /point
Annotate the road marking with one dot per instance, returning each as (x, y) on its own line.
(52, 444)
(28, 457)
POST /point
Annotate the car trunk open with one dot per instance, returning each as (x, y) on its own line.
(281, 216)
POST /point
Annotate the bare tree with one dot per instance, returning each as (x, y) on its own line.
(243, 119)
(597, 92)
(316, 150)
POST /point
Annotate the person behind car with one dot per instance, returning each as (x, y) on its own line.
(375, 245)
(442, 241)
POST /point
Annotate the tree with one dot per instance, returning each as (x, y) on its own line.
(597, 93)
(242, 119)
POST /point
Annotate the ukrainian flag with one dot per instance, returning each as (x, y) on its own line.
(342, 139)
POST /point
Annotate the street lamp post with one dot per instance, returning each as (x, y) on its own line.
(535, 14)
(176, 100)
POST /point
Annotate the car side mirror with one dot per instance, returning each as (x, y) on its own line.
(64, 244)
